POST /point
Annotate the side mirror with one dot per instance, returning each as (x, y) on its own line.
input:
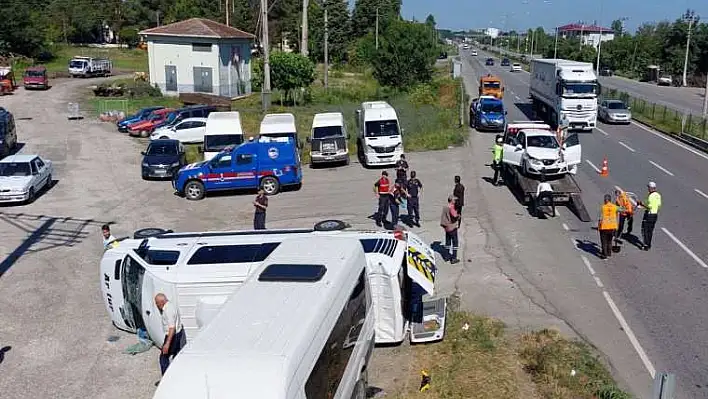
(403, 130)
(629, 108)
(518, 147)
(142, 153)
(506, 112)
(200, 149)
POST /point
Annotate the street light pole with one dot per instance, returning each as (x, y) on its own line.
(303, 43)
(265, 90)
(326, 47)
(705, 100)
(691, 16)
(599, 45)
(555, 46)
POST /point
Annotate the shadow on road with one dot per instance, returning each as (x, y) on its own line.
(526, 109)
(44, 233)
(588, 246)
(3, 351)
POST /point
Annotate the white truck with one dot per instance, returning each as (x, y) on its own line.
(380, 140)
(564, 92)
(85, 67)
(223, 129)
(328, 139)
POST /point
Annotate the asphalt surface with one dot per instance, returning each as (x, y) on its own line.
(680, 98)
(661, 293)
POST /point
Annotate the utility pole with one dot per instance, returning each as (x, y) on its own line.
(326, 46)
(691, 17)
(705, 100)
(555, 46)
(226, 10)
(303, 44)
(265, 91)
(157, 15)
(377, 28)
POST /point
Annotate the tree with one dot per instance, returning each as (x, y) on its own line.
(290, 71)
(364, 15)
(406, 55)
(617, 27)
(430, 21)
(338, 27)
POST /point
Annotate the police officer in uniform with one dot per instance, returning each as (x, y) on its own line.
(414, 186)
(651, 213)
(382, 188)
(497, 152)
(402, 170)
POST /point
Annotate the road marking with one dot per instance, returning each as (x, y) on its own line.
(701, 193)
(660, 135)
(588, 265)
(626, 146)
(632, 338)
(565, 226)
(593, 166)
(602, 131)
(663, 169)
(517, 98)
(685, 248)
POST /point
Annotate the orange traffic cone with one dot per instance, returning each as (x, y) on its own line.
(605, 170)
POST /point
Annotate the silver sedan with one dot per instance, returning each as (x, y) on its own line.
(614, 111)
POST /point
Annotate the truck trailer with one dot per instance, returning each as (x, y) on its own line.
(564, 92)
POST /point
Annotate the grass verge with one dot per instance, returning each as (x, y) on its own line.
(124, 59)
(479, 359)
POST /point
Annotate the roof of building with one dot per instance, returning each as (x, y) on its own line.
(198, 27)
(584, 28)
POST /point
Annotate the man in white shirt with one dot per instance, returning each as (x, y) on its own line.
(107, 237)
(174, 331)
(544, 193)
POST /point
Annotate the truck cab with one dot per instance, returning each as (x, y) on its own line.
(328, 139)
(268, 163)
(380, 140)
(491, 86)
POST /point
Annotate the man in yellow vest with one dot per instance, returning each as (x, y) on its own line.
(651, 213)
(497, 151)
(607, 225)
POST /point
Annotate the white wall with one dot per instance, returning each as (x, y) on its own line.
(178, 51)
(592, 39)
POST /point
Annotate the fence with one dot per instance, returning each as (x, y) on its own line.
(662, 117)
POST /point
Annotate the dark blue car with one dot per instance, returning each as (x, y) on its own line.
(142, 114)
(163, 158)
(490, 61)
(488, 114)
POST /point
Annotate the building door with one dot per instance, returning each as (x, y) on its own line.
(170, 78)
(203, 80)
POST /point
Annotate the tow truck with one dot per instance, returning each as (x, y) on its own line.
(566, 190)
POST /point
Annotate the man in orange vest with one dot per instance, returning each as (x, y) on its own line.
(626, 214)
(607, 225)
(382, 189)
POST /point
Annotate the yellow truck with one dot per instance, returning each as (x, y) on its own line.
(491, 86)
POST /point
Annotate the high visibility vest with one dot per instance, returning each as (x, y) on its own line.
(497, 150)
(624, 202)
(384, 186)
(654, 202)
(609, 217)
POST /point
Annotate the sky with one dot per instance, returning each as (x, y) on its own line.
(522, 14)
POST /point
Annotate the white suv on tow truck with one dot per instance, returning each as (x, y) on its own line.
(535, 148)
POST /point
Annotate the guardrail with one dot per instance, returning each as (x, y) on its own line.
(684, 125)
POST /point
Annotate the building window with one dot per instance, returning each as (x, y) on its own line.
(202, 47)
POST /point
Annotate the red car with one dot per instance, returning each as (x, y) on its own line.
(35, 77)
(147, 126)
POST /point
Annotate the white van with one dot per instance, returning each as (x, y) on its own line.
(328, 139)
(223, 129)
(200, 271)
(279, 125)
(302, 326)
(379, 140)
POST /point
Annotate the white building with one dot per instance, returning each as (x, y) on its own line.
(492, 32)
(589, 35)
(199, 56)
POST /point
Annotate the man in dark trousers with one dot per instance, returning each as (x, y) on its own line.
(402, 170)
(260, 204)
(459, 193)
(175, 338)
(382, 189)
(448, 221)
(651, 213)
(414, 186)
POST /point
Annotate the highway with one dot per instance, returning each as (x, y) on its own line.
(661, 294)
(679, 98)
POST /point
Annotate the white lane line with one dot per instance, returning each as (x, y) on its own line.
(663, 169)
(660, 135)
(565, 226)
(602, 131)
(632, 338)
(593, 166)
(588, 265)
(626, 146)
(685, 248)
(701, 193)
(598, 282)
(517, 98)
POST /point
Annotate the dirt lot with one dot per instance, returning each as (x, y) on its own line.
(56, 340)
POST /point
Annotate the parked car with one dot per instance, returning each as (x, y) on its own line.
(190, 130)
(443, 55)
(474, 53)
(665, 80)
(488, 113)
(614, 111)
(163, 158)
(23, 176)
(143, 128)
(490, 61)
(35, 77)
(516, 67)
(606, 72)
(141, 115)
(8, 133)
(505, 62)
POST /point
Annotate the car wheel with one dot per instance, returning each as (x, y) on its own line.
(330, 225)
(150, 232)
(49, 182)
(346, 161)
(270, 185)
(31, 196)
(144, 133)
(194, 190)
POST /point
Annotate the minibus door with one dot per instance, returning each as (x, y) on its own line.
(151, 316)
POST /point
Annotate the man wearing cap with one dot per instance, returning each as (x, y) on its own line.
(607, 225)
(497, 152)
(651, 213)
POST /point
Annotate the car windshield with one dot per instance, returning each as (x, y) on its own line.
(9, 169)
(492, 85)
(381, 128)
(579, 88)
(542, 141)
(492, 107)
(34, 73)
(217, 142)
(162, 149)
(326, 131)
(77, 64)
(616, 105)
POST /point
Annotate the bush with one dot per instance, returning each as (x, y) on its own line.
(290, 71)
(257, 74)
(127, 89)
(129, 35)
